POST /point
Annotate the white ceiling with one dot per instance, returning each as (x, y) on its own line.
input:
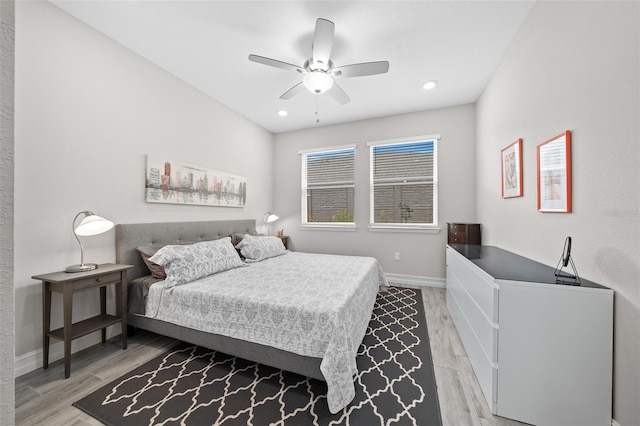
(206, 44)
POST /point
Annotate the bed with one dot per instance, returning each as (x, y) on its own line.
(261, 311)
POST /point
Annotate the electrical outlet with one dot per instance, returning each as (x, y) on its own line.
(397, 256)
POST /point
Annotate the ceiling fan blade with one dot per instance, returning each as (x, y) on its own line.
(338, 94)
(359, 70)
(293, 91)
(322, 43)
(275, 63)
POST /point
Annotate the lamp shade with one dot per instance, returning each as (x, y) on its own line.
(317, 82)
(269, 217)
(93, 225)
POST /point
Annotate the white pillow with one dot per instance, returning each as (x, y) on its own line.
(255, 249)
(185, 263)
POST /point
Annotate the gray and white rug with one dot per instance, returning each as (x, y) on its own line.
(190, 385)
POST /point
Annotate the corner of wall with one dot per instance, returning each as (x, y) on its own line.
(7, 333)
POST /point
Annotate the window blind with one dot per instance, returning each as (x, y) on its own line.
(328, 186)
(403, 183)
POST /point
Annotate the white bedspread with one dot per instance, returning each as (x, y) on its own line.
(310, 304)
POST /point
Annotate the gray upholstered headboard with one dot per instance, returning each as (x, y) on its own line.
(130, 236)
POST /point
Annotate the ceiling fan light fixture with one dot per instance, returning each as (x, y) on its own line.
(430, 85)
(317, 82)
(318, 71)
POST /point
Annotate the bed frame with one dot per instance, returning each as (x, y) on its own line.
(130, 236)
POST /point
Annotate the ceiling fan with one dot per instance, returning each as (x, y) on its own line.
(319, 71)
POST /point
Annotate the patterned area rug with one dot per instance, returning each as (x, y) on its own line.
(190, 385)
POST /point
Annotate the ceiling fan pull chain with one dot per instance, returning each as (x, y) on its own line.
(317, 112)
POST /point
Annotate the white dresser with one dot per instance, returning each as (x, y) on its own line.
(542, 351)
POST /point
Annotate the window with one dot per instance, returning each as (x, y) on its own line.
(404, 190)
(328, 186)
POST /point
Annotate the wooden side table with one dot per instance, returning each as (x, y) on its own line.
(285, 241)
(69, 283)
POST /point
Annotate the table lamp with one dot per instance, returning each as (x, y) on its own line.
(91, 224)
(267, 218)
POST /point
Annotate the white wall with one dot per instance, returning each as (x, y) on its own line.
(574, 66)
(87, 112)
(421, 254)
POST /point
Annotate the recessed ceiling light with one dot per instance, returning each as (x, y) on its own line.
(282, 113)
(430, 85)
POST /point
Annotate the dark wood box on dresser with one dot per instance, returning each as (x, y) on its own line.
(464, 233)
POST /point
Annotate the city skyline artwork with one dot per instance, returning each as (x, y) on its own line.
(176, 182)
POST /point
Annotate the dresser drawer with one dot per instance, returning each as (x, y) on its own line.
(486, 371)
(483, 328)
(101, 280)
(482, 291)
(460, 227)
(457, 237)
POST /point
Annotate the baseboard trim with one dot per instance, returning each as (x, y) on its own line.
(614, 423)
(416, 280)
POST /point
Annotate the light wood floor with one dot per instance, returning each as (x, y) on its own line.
(44, 397)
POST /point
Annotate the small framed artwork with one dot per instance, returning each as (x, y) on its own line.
(554, 174)
(511, 164)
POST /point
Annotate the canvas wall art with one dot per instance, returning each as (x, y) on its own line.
(176, 182)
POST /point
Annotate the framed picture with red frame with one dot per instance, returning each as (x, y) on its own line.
(511, 165)
(554, 174)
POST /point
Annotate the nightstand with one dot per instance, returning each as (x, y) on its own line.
(285, 241)
(69, 283)
(464, 233)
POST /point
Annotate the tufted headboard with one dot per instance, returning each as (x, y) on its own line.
(131, 236)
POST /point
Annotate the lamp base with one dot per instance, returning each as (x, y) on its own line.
(81, 268)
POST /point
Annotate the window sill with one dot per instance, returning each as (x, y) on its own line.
(405, 228)
(328, 227)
